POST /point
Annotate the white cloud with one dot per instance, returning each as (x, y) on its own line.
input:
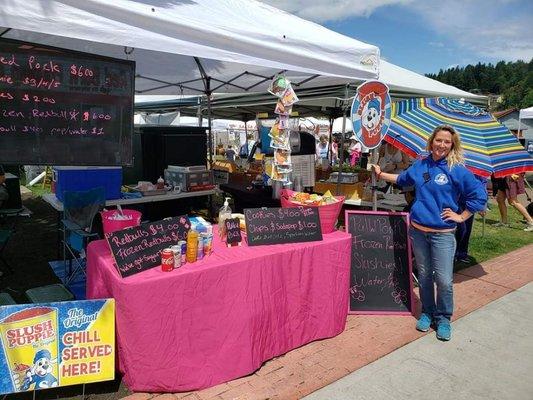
(332, 10)
(498, 29)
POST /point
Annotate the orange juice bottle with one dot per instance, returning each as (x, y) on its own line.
(192, 246)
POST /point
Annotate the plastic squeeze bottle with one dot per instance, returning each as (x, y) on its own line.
(223, 214)
(160, 183)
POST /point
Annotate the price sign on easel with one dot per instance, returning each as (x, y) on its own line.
(233, 232)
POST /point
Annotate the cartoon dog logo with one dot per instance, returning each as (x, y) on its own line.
(40, 373)
(372, 114)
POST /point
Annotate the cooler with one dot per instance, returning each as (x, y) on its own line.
(74, 179)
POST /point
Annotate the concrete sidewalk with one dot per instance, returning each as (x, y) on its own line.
(490, 357)
(370, 338)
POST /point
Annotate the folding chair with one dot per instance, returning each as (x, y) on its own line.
(79, 211)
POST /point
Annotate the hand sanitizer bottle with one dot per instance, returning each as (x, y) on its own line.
(223, 214)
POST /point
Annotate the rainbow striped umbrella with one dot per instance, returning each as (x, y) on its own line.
(489, 146)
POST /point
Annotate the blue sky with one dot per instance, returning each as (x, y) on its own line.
(427, 35)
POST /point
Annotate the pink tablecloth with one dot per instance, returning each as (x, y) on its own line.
(222, 317)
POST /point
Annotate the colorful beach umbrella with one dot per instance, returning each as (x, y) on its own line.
(489, 147)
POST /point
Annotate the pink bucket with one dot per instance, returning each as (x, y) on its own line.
(328, 213)
(110, 224)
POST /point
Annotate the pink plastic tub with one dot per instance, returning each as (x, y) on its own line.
(110, 224)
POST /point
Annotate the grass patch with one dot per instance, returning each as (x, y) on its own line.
(496, 241)
(37, 190)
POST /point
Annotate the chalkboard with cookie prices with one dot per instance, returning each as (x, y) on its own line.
(139, 248)
(381, 268)
(282, 225)
(62, 107)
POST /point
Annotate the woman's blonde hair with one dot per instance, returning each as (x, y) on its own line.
(455, 156)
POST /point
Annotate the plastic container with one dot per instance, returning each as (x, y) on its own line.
(110, 224)
(328, 213)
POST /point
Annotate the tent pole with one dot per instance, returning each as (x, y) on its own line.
(339, 175)
(210, 132)
(207, 89)
(330, 150)
(343, 110)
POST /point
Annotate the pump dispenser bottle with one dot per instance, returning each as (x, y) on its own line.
(223, 214)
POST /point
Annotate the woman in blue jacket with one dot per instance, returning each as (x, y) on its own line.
(441, 182)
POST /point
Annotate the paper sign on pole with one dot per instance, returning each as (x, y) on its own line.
(56, 344)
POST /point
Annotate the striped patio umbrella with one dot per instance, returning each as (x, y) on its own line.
(489, 146)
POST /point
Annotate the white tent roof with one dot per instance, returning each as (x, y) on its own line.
(228, 36)
(401, 80)
(402, 84)
(526, 113)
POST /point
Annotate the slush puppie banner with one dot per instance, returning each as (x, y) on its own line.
(56, 344)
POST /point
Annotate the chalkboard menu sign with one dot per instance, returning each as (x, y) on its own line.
(139, 248)
(233, 230)
(380, 274)
(282, 225)
(64, 107)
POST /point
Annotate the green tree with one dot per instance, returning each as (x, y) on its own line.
(512, 80)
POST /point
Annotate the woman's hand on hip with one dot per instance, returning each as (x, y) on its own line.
(448, 215)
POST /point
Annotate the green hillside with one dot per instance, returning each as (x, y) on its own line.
(512, 80)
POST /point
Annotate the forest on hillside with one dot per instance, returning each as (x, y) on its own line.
(512, 80)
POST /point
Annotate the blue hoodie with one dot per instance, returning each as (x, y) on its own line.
(437, 187)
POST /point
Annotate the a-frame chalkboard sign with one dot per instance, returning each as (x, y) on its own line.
(380, 273)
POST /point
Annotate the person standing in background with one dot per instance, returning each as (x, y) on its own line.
(441, 180)
(464, 230)
(230, 153)
(354, 150)
(322, 148)
(391, 160)
(509, 188)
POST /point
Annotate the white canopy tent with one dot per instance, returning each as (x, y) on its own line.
(185, 47)
(223, 46)
(314, 101)
(525, 113)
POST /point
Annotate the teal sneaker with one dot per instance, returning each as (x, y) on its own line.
(423, 323)
(444, 330)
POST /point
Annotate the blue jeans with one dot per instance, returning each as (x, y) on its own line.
(434, 258)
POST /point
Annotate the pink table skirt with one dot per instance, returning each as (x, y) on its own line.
(222, 317)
